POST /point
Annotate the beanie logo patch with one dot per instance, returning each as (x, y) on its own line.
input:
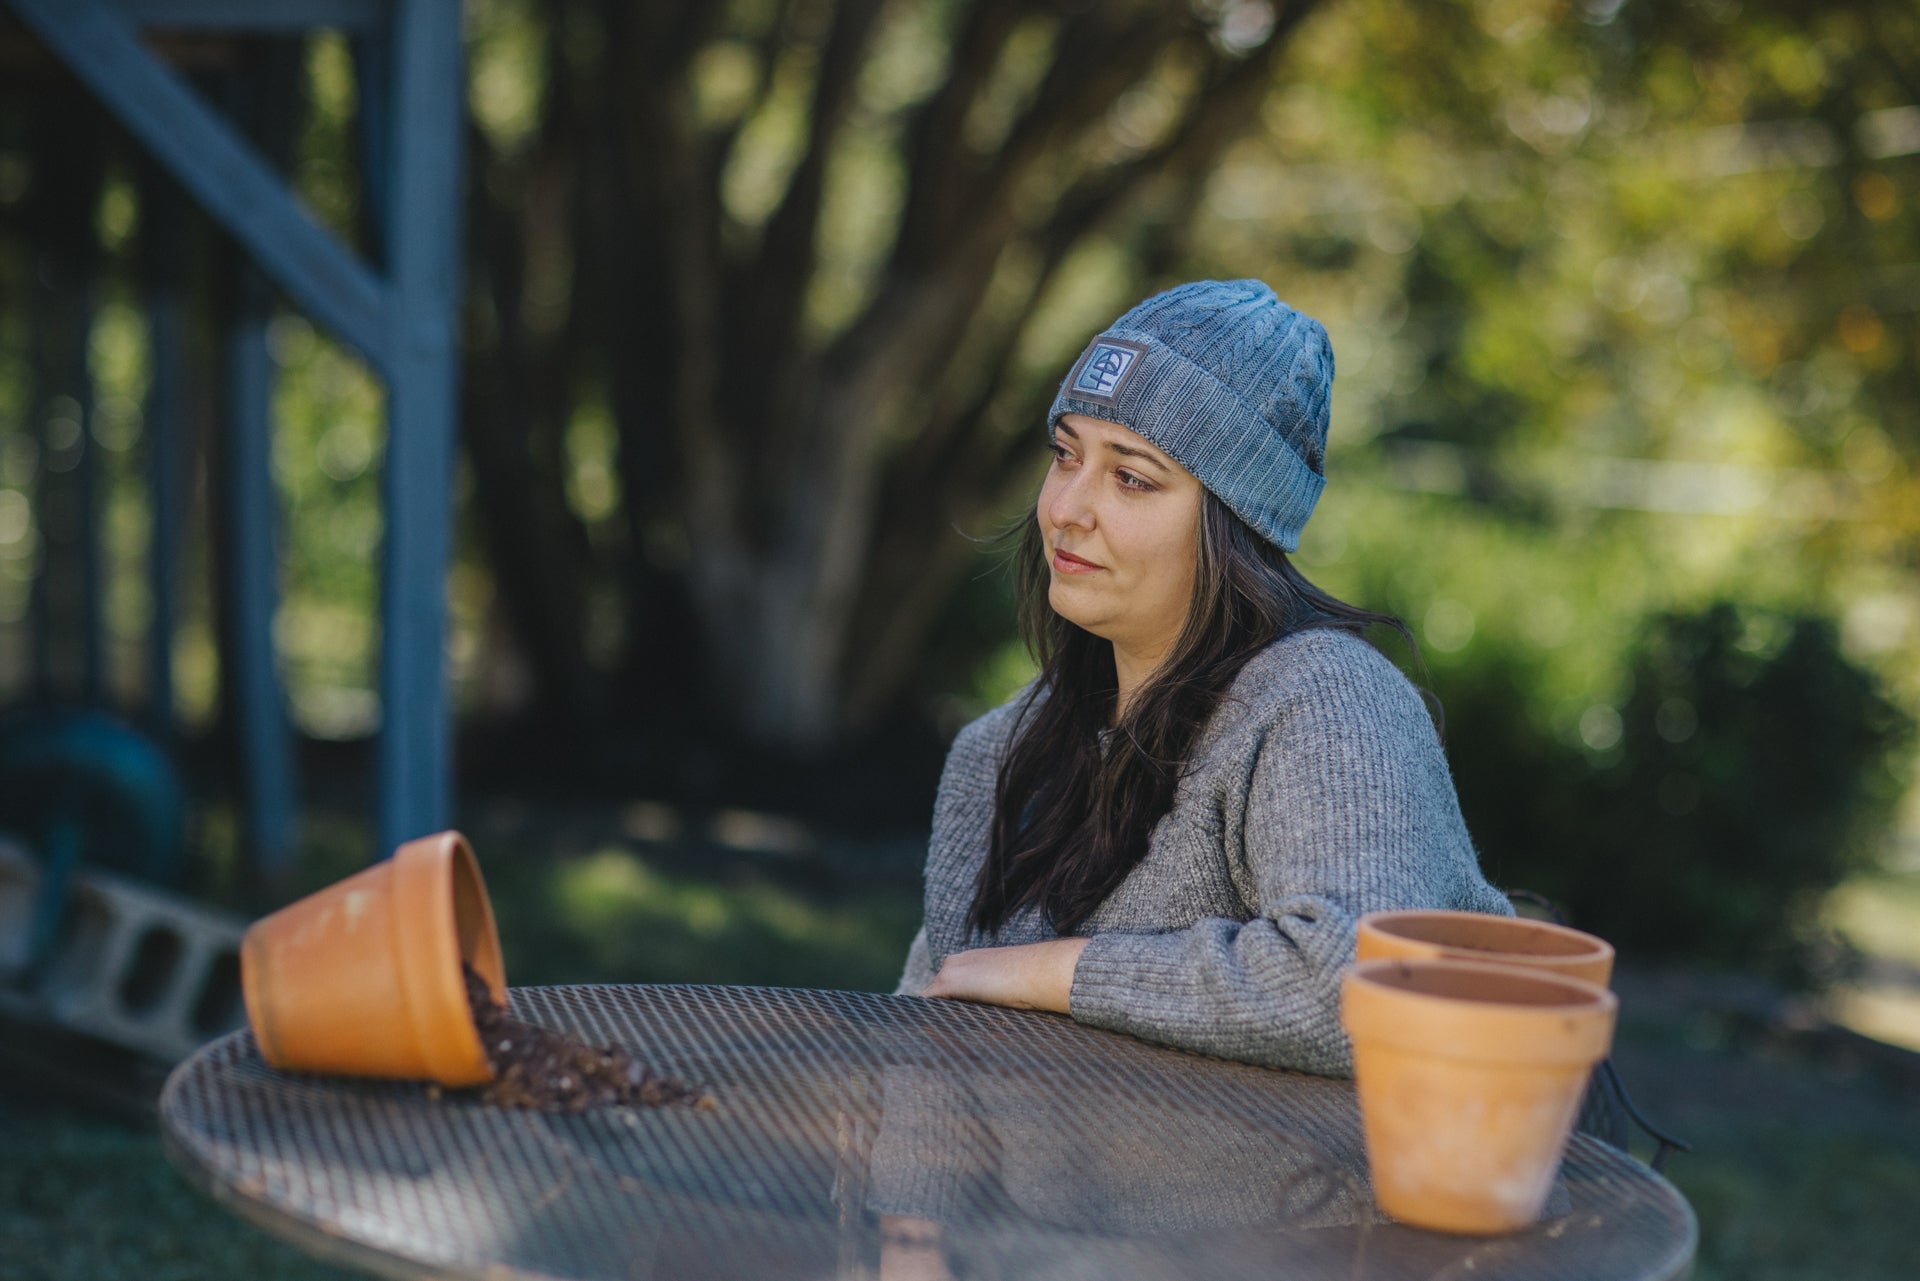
(1104, 369)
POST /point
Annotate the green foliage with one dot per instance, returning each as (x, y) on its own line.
(1750, 770)
(1612, 289)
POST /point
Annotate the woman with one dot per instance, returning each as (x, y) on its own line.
(1172, 831)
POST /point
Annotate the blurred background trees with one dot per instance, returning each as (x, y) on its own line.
(767, 298)
(783, 257)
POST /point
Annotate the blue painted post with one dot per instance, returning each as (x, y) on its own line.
(424, 256)
(266, 746)
(405, 324)
(263, 97)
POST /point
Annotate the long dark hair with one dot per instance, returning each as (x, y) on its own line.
(1072, 814)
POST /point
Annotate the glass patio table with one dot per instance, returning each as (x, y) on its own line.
(853, 1135)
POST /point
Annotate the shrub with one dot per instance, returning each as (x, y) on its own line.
(1753, 770)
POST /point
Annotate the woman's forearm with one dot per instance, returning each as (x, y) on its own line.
(1030, 976)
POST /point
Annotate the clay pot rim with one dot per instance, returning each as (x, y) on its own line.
(1575, 1030)
(1578, 991)
(460, 929)
(1581, 947)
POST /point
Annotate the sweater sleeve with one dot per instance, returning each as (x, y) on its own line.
(962, 824)
(919, 969)
(1349, 807)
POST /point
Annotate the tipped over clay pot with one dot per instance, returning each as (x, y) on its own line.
(1469, 1078)
(363, 977)
(1477, 936)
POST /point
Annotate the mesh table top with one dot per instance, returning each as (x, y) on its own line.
(1041, 1148)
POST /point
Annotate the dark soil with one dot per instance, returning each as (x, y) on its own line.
(536, 1067)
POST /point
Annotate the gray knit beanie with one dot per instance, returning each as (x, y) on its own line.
(1231, 382)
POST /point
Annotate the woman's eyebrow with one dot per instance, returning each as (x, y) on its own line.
(1141, 454)
(1118, 448)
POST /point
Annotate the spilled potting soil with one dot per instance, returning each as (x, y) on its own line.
(539, 1068)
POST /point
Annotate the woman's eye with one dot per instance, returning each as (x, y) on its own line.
(1130, 481)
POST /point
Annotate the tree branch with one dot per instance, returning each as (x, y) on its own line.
(939, 164)
(767, 49)
(909, 323)
(769, 317)
(917, 555)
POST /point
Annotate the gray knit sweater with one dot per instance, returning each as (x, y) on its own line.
(1316, 792)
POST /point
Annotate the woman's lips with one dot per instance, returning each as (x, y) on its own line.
(1068, 563)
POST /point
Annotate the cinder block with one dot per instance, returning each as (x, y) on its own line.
(145, 968)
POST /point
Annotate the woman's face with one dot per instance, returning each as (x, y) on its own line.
(1121, 524)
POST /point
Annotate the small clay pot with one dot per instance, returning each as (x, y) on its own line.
(1478, 936)
(363, 977)
(1469, 1077)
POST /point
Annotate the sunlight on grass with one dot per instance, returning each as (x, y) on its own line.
(613, 889)
(1880, 915)
(628, 920)
(1885, 1013)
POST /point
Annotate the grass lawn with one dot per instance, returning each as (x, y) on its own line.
(1805, 1169)
(1880, 915)
(88, 1199)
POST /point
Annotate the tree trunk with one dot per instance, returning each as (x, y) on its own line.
(815, 480)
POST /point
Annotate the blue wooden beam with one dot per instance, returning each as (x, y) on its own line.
(265, 98)
(289, 17)
(266, 741)
(423, 242)
(225, 175)
(404, 325)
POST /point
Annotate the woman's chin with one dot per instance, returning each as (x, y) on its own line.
(1073, 607)
(1067, 602)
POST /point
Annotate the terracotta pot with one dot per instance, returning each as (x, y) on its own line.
(1477, 936)
(1469, 1077)
(363, 977)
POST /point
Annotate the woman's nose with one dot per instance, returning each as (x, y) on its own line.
(1067, 501)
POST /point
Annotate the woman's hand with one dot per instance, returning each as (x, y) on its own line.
(1031, 976)
(911, 1249)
